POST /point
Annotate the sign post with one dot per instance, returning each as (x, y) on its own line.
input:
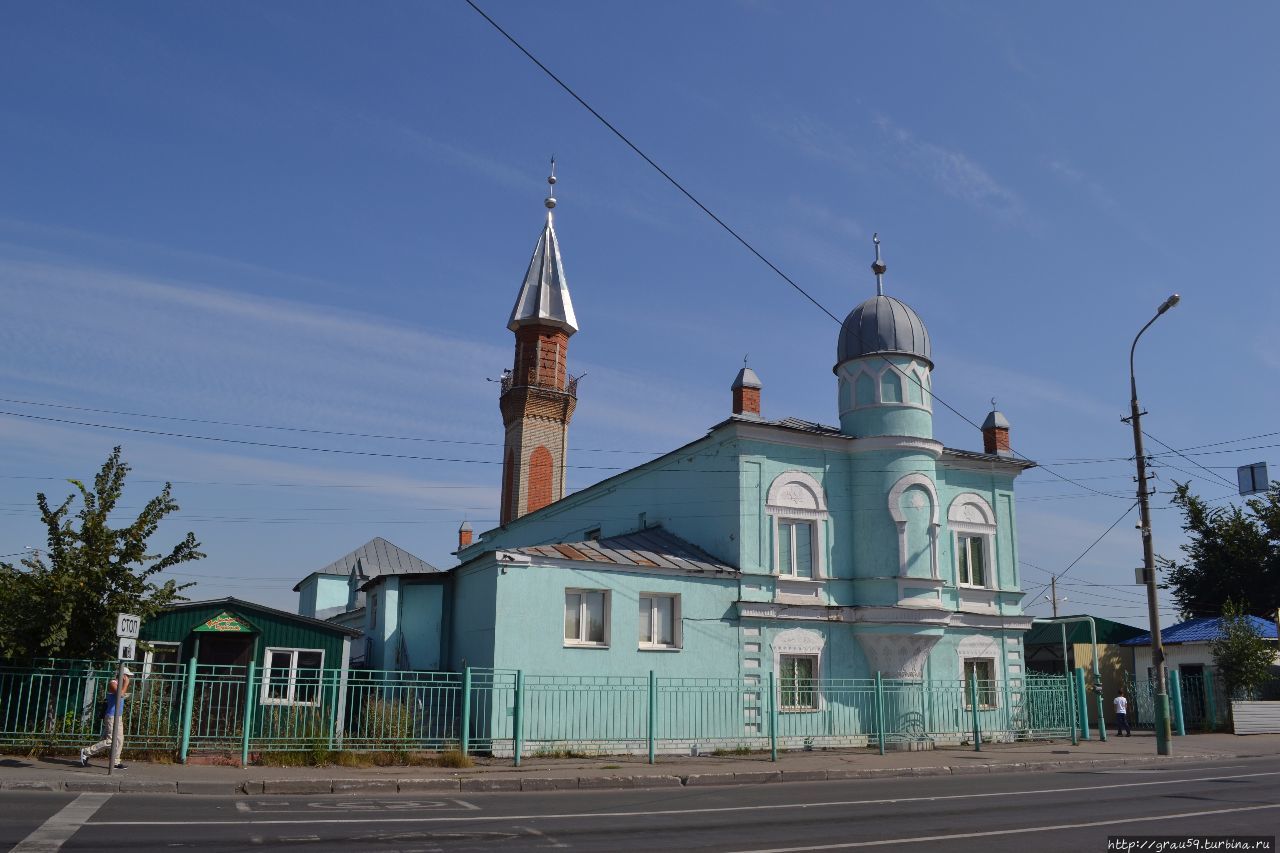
(127, 626)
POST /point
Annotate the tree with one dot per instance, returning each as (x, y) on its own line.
(1233, 555)
(1242, 656)
(66, 607)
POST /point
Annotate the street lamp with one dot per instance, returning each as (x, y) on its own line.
(1163, 731)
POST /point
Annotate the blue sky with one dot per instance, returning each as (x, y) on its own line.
(316, 215)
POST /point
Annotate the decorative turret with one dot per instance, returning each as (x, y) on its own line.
(883, 362)
(538, 394)
(465, 534)
(746, 392)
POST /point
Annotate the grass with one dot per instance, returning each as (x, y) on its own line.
(740, 749)
(346, 758)
(555, 752)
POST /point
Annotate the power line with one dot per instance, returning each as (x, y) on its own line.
(1189, 459)
(1064, 572)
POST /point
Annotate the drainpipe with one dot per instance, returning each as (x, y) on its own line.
(1097, 674)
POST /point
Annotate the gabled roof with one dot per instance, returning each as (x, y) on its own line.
(241, 604)
(649, 548)
(375, 557)
(1203, 630)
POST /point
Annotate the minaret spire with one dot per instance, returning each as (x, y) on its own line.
(878, 266)
(550, 201)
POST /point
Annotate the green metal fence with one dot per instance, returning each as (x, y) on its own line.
(243, 710)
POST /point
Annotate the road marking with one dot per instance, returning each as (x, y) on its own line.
(847, 845)
(551, 841)
(718, 810)
(55, 831)
(468, 806)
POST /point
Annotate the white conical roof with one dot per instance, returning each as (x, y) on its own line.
(544, 297)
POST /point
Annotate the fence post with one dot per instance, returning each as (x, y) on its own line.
(188, 710)
(653, 715)
(1071, 719)
(1175, 694)
(1210, 706)
(1082, 703)
(248, 715)
(973, 703)
(517, 719)
(333, 705)
(880, 710)
(773, 719)
(466, 709)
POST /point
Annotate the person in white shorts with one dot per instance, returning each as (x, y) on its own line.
(113, 718)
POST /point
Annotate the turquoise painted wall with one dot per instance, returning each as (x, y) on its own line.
(531, 600)
(421, 614)
(323, 592)
(474, 615)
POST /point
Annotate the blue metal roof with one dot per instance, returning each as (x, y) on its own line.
(1203, 630)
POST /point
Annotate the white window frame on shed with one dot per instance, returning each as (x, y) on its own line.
(291, 692)
(796, 498)
(654, 616)
(578, 642)
(148, 658)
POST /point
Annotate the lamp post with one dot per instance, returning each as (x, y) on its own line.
(1163, 732)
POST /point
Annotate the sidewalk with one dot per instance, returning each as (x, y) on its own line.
(543, 774)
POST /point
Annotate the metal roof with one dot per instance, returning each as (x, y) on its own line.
(883, 325)
(995, 420)
(378, 557)
(544, 296)
(653, 547)
(1202, 630)
(232, 602)
(746, 378)
(1050, 633)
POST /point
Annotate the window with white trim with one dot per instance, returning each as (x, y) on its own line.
(795, 548)
(971, 563)
(798, 682)
(160, 654)
(292, 676)
(659, 621)
(983, 670)
(586, 617)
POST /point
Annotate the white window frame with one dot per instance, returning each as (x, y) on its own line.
(970, 515)
(289, 698)
(814, 574)
(815, 688)
(796, 498)
(147, 658)
(988, 688)
(677, 624)
(962, 547)
(580, 643)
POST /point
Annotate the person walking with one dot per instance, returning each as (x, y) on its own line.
(1122, 715)
(112, 720)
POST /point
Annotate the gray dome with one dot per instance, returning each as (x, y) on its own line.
(885, 325)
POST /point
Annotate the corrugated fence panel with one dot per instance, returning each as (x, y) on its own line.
(1256, 718)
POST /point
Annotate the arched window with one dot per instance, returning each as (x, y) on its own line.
(541, 470)
(890, 386)
(865, 390)
(913, 505)
(973, 536)
(798, 508)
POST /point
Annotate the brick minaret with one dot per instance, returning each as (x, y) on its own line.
(538, 394)
(995, 434)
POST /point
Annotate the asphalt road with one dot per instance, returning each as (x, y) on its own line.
(1072, 810)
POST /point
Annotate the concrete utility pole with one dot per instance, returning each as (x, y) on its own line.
(1053, 594)
(1164, 733)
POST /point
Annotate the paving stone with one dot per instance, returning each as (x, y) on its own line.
(757, 777)
(147, 786)
(297, 786)
(804, 775)
(91, 784)
(482, 784)
(558, 784)
(930, 771)
(343, 785)
(408, 785)
(709, 779)
(213, 788)
(606, 782)
(30, 785)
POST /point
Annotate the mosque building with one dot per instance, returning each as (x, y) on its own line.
(762, 547)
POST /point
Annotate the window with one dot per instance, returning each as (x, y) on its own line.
(163, 655)
(971, 564)
(864, 390)
(659, 621)
(373, 612)
(983, 670)
(891, 387)
(795, 548)
(586, 617)
(292, 677)
(798, 682)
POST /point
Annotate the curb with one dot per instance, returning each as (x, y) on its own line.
(511, 784)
